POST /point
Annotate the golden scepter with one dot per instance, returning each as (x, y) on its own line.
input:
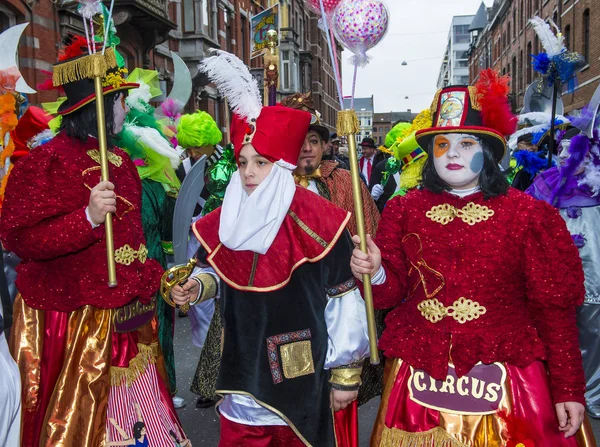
(95, 66)
(348, 126)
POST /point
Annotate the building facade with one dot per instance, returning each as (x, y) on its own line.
(383, 123)
(365, 111)
(507, 40)
(455, 65)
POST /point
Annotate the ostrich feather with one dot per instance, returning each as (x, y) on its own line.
(234, 81)
(553, 44)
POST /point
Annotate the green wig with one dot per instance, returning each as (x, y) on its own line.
(198, 130)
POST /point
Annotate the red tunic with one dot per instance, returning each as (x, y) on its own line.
(515, 261)
(44, 222)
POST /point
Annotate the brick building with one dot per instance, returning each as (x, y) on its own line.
(149, 29)
(383, 123)
(505, 40)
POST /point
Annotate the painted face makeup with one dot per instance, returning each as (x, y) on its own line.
(564, 155)
(120, 111)
(458, 159)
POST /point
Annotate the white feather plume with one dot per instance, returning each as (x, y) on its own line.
(152, 139)
(553, 44)
(138, 98)
(234, 81)
(535, 118)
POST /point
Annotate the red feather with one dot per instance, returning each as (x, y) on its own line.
(492, 92)
(47, 83)
(78, 46)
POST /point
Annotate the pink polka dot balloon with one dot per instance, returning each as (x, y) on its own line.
(328, 5)
(360, 25)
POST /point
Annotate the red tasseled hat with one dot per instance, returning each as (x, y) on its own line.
(482, 110)
(33, 121)
(277, 134)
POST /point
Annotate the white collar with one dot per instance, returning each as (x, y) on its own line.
(464, 192)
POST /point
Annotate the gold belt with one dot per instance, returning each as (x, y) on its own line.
(462, 310)
(126, 254)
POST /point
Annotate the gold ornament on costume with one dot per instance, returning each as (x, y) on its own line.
(126, 254)
(462, 310)
(113, 158)
(297, 359)
(115, 79)
(304, 180)
(471, 213)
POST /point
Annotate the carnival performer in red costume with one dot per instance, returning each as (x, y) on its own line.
(294, 323)
(484, 282)
(87, 353)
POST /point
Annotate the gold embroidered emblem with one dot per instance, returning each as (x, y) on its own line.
(471, 213)
(113, 158)
(297, 359)
(462, 310)
(126, 255)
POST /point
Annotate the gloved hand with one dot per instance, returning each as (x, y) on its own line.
(376, 192)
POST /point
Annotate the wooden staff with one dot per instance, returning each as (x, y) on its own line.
(347, 126)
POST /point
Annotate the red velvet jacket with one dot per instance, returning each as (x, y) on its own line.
(513, 259)
(44, 222)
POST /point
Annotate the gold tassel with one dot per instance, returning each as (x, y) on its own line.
(347, 123)
(87, 67)
(137, 366)
(434, 104)
(438, 437)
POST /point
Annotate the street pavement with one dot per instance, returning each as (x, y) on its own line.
(202, 426)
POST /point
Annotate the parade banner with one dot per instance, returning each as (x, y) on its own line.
(260, 24)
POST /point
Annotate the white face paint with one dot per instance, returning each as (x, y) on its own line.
(564, 155)
(458, 159)
(120, 111)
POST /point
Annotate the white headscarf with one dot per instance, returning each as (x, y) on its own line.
(251, 222)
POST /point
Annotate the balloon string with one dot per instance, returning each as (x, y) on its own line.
(107, 25)
(354, 85)
(336, 68)
(331, 54)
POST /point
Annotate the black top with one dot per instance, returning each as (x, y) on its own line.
(275, 344)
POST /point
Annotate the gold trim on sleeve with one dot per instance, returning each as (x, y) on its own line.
(297, 359)
(471, 213)
(126, 255)
(347, 377)
(462, 310)
(209, 287)
(113, 158)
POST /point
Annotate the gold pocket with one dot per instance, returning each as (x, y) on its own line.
(297, 359)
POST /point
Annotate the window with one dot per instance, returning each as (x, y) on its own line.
(513, 81)
(508, 33)
(187, 13)
(521, 16)
(461, 55)
(529, 14)
(228, 30)
(514, 21)
(285, 64)
(5, 21)
(585, 49)
(245, 45)
(536, 44)
(461, 34)
(529, 66)
(520, 70)
(568, 37)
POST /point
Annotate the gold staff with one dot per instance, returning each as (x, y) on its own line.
(95, 67)
(347, 126)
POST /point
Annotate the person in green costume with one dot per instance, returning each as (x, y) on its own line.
(156, 160)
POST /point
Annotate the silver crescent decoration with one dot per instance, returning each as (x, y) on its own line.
(538, 98)
(190, 190)
(594, 108)
(9, 42)
(182, 84)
